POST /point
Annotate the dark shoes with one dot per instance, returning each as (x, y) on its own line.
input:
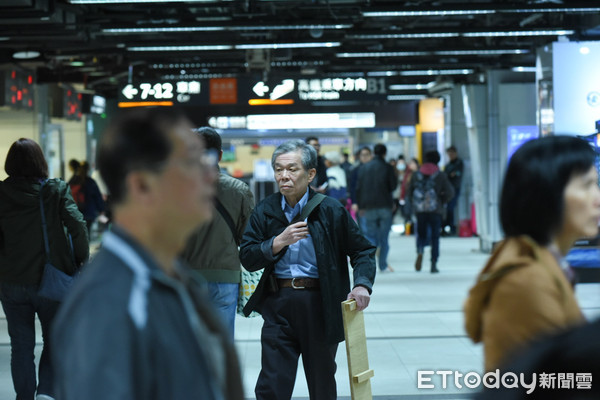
(419, 262)
(434, 269)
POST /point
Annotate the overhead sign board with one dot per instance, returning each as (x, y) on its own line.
(256, 92)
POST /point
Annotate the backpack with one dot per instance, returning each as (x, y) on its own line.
(424, 196)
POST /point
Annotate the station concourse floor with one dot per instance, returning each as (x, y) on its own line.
(414, 322)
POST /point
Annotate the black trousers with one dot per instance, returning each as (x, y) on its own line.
(294, 325)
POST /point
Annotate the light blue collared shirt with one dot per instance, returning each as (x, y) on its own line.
(299, 261)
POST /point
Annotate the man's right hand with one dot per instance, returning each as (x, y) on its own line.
(292, 234)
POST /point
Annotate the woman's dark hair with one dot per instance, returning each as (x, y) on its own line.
(25, 159)
(532, 198)
(136, 140)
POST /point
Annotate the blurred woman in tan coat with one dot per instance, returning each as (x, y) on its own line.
(550, 198)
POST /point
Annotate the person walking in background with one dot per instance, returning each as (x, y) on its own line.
(23, 256)
(346, 166)
(363, 156)
(305, 276)
(212, 250)
(337, 186)
(87, 195)
(74, 169)
(454, 171)
(549, 199)
(376, 182)
(320, 183)
(412, 167)
(138, 324)
(429, 190)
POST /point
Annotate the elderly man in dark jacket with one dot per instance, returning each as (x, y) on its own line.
(305, 276)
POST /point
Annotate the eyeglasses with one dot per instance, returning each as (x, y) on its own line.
(210, 158)
(208, 161)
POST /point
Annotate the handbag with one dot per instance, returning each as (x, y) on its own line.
(55, 284)
(248, 285)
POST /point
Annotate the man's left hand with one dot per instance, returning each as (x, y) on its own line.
(362, 297)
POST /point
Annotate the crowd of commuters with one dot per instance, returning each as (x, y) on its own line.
(166, 279)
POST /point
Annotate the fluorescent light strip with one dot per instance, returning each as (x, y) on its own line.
(286, 45)
(479, 52)
(139, 1)
(557, 32)
(222, 28)
(425, 13)
(432, 13)
(552, 10)
(288, 27)
(405, 35)
(384, 54)
(406, 97)
(237, 47)
(163, 30)
(429, 53)
(464, 71)
(382, 73)
(428, 35)
(418, 86)
(524, 69)
(180, 48)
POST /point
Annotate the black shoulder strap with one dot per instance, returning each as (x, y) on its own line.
(309, 207)
(223, 211)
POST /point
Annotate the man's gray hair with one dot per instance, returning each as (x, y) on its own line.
(308, 154)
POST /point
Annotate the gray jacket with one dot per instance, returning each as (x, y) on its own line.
(129, 331)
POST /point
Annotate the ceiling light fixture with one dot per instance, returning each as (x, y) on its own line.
(553, 32)
(138, 1)
(464, 71)
(553, 10)
(384, 54)
(382, 73)
(181, 48)
(429, 53)
(178, 29)
(426, 35)
(26, 55)
(480, 52)
(442, 13)
(524, 69)
(431, 13)
(430, 35)
(286, 45)
(163, 30)
(406, 97)
(416, 86)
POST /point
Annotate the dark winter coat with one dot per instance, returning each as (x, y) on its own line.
(22, 254)
(376, 182)
(130, 331)
(335, 236)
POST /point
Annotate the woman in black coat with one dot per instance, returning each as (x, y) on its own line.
(23, 255)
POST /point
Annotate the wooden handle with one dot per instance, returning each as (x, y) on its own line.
(349, 305)
(364, 376)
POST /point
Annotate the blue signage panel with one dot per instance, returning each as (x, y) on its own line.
(517, 135)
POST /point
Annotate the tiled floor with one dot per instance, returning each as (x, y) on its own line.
(414, 323)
